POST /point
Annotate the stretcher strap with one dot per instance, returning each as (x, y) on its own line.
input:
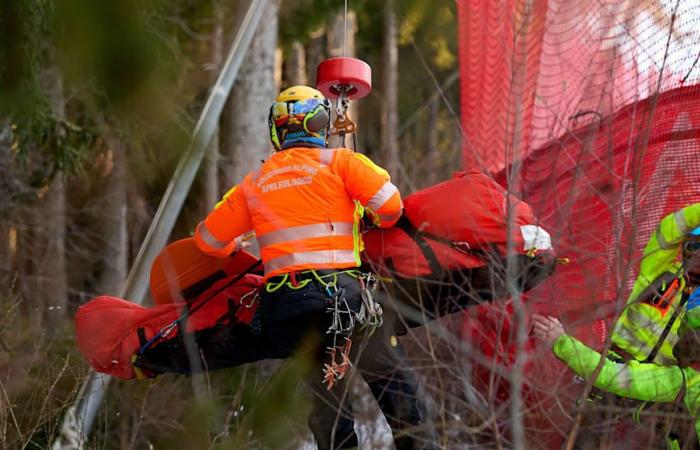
(669, 325)
(189, 311)
(418, 236)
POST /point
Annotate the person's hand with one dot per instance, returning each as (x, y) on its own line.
(241, 243)
(548, 329)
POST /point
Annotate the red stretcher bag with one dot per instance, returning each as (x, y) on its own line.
(110, 331)
(451, 226)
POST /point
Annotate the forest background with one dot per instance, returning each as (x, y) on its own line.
(98, 101)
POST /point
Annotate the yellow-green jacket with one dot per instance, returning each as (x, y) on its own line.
(656, 298)
(642, 381)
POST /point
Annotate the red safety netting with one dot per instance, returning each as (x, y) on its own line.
(601, 191)
(595, 103)
(531, 70)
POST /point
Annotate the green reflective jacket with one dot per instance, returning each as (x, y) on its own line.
(648, 311)
(642, 381)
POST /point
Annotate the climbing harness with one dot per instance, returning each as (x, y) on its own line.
(665, 302)
(345, 322)
(371, 315)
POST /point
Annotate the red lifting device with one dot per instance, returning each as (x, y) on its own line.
(343, 79)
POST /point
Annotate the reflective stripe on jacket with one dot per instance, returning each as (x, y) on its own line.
(640, 325)
(305, 205)
(641, 381)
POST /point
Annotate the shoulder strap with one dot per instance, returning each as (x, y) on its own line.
(193, 291)
(406, 225)
(669, 324)
(420, 237)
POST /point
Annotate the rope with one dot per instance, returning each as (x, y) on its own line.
(345, 29)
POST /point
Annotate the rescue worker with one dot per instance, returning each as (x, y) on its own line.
(648, 327)
(305, 205)
(660, 304)
(633, 379)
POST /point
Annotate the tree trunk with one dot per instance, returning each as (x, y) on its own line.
(315, 53)
(338, 42)
(5, 220)
(390, 88)
(210, 176)
(210, 169)
(51, 287)
(5, 257)
(50, 253)
(432, 152)
(113, 222)
(295, 65)
(245, 136)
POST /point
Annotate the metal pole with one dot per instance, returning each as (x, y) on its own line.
(79, 418)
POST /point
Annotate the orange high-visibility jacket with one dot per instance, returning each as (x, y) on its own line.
(305, 205)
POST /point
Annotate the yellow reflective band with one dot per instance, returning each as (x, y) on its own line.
(226, 196)
(358, 245)
(368, 162)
